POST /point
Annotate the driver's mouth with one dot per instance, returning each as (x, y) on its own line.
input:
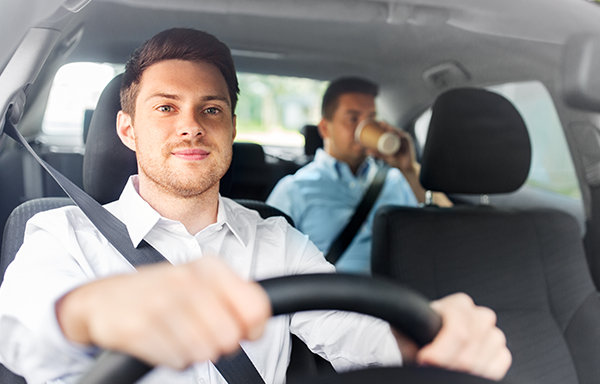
(191, 154)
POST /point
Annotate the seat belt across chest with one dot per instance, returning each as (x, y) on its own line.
(341, 243)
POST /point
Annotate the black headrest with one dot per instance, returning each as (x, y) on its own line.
(249, 155)
(477, 143)
(108, 163)
(312, 139)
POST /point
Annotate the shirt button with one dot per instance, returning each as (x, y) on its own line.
(352, 185)
(201, 381)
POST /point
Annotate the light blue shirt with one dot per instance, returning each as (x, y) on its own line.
(322, 196)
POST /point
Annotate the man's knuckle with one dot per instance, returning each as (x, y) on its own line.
(499, 337)
(464, 300)
(486, 316)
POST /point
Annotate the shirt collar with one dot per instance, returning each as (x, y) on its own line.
(140, 218)
(339, 169)
(227, 215)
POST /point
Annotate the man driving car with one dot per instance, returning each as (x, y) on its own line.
(69, 293)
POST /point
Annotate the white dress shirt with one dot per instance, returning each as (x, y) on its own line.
(63, 250)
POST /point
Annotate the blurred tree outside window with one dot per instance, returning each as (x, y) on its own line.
(272, 109)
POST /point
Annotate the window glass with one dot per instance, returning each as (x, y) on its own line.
(271, 109)
(551, 166)
(76, 88)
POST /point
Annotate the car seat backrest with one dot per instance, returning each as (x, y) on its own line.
(527, 265)
(251, 173)
(106, 157)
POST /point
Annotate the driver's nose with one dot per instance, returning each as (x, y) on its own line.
(189, 124)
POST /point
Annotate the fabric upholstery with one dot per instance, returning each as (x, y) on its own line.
(252, 175)
(527, 265)
(477, 143)
(106, 157)
(15, 226)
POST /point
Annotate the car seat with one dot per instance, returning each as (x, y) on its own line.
(107, 165)
(527, 265)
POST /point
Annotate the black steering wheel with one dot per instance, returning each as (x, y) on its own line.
(405, 310)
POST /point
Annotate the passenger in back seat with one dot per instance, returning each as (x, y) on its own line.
(322, 196)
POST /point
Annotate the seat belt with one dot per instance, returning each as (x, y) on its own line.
(345, 237)
(236, 368)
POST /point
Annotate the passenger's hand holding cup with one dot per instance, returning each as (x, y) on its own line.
(372, 135)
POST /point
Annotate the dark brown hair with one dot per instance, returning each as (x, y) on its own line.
(177, 44)
(342, 86)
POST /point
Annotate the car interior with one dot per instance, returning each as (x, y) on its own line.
(501, 99)
(529, 265)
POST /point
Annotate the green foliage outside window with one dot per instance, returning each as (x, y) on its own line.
(273, 109)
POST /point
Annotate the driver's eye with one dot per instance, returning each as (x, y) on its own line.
(211, 111)
(165, 108)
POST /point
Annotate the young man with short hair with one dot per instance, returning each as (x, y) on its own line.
(69, 292)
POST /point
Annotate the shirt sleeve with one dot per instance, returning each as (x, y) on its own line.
(347, 340)
(31, 341)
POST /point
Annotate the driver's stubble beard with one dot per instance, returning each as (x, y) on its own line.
(207, 177)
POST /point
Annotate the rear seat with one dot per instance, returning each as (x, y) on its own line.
(253, 176)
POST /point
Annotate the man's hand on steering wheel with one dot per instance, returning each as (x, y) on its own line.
(167, 315)
(468, 341)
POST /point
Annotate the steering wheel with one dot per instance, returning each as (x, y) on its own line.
(405, 310)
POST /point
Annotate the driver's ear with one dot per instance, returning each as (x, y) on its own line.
(125, 130)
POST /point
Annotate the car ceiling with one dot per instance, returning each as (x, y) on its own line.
(392, 41)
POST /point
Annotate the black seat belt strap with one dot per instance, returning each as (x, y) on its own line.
(112, 228)
(236, 368)
(345, 237)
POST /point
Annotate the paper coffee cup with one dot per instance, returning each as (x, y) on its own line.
(372, 135)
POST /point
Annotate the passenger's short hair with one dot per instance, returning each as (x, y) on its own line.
(342, 86)
(177, 44)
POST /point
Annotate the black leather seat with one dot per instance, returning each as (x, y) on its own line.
(528, 265)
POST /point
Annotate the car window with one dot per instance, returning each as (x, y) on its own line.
(552, 169)
(75, 89)
(271, 109)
